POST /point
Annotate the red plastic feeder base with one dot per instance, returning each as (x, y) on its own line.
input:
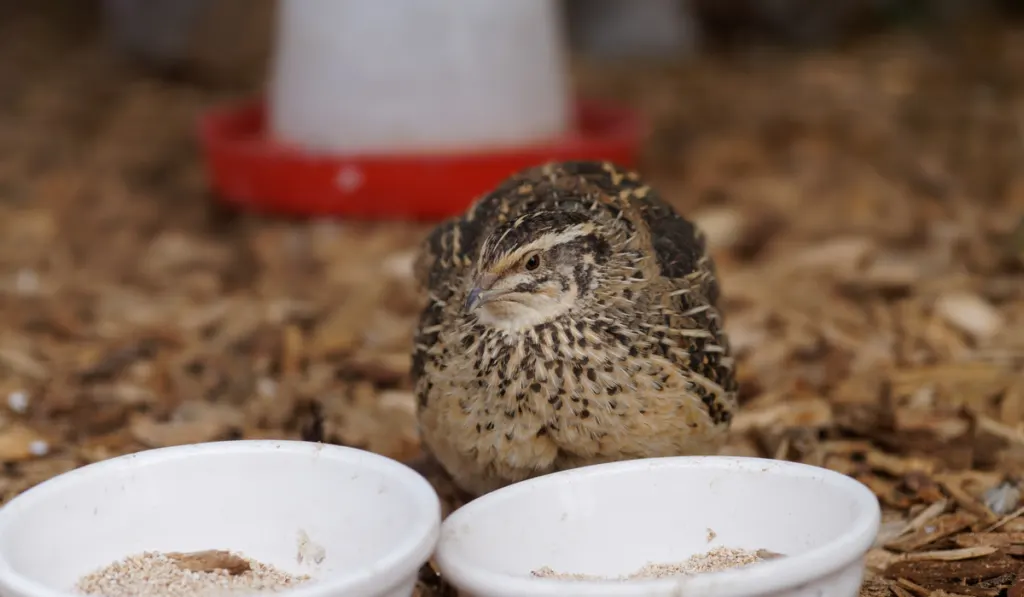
(251, 170)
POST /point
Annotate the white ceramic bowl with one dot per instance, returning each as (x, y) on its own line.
(377, 519)
(610, 520)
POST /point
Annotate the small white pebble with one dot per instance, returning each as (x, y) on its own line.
(399, 266)
(970, 314)
(18, 401)
(26, 281)
(722, 226)
(39, 447)
(266, 387)
(398, 400)
(1003, 499)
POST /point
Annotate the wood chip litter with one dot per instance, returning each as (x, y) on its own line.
(863, 205)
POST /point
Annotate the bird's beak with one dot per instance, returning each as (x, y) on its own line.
(479, 293)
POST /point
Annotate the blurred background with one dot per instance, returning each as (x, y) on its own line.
(858, 166)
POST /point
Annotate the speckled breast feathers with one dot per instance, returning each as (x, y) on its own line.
(599, 339)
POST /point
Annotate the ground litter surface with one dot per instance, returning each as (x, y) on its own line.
(865, 208)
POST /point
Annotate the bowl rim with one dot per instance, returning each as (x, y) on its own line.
(769, 577)
(404, 559)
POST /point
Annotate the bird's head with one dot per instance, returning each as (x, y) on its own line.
(533, 269)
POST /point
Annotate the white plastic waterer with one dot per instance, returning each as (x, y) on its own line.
(354, 76)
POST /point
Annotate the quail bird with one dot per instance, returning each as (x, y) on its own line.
(571, 319)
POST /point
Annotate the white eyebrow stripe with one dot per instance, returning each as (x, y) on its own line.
(502, 237)
(553, 240)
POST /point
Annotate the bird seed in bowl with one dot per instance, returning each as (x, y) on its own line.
(211, 573)
(716, 560)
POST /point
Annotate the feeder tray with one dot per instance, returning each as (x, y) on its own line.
(252, 171)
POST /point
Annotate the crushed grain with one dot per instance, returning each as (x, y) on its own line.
(212, 573)
(715, 560)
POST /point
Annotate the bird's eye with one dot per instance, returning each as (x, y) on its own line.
(533, 262)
